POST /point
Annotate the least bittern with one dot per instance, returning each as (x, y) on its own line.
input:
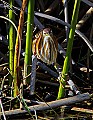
(45, 46)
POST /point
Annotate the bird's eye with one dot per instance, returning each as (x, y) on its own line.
(44, 32)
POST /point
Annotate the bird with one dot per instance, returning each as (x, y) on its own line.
(45, 46)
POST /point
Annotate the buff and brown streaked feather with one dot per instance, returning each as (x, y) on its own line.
(45, 46)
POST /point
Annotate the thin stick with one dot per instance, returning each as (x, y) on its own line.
(52, 104)
(88, 53)
(52, 7)
(33, 75)
(2, 109)
(82, 110)
(44, 67)
(84, 18)
(88, 3)
(66, 18)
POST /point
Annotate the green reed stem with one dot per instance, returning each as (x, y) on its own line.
(11, 41)
(69, 49)
(28, 49)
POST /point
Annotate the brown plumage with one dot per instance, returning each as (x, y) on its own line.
(45, 46)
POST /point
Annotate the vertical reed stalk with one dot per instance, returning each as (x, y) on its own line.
(18, 48)
(11, 41)
(28, 49)
(88, 54)
(66, 17)
(69, 49)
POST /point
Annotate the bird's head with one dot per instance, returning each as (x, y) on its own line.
(47, 32)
